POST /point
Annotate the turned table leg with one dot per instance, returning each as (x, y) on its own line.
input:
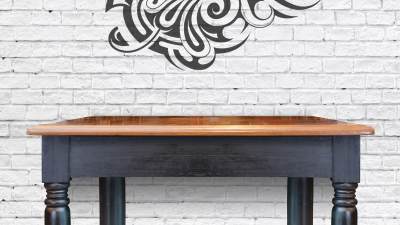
(112, 200)
(57, 210)
(300, 201)
(344, 210)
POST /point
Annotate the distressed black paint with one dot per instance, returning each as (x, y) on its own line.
(300, 196)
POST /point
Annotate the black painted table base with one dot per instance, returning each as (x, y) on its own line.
(114, 158)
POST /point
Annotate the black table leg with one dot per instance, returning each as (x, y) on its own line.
(300, 201)
(344, 210)
(57, 211)
(112, 200)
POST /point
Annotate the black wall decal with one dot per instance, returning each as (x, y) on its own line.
(189, 33)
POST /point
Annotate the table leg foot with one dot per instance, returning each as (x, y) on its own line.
(112, 200)
(300, 201)
(57, 211)
(344, 210)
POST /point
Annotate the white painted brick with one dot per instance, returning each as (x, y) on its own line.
(390, 5)
(241, 65)
(88, 65)
(253, 48)
(227, 210)
(308, 33)
(381, 18)
(58, 97)
(118, 65)
(15, 18)
(43, 33)
(213, 97)
(120, 97)
(309, 65)
(320, 17)
(339, 4)
(106, 82)
(88, 97)
(26, 65)
(42, 113)
(64, 5)
(149, 65)
(46, 18)
(27, 97)
(136, 110)
(338, 65)
(384, 112)
(57, 65)
(319, 81)
(273, 97)
(269, 65)
(381, 81)
(260, 81)
(305, 97)
(196, 110)
(380, 177)
(274, 33)
(260, 210)
(76, 18)
(339, 33)
(89, 5)
(181, 97)
(367, 4)
(350, 81)
(27, 4)
(228, 81)
(137, 81)
(228, 110)
(90, 33)
(167, 81)
(151, 96)
(289, 81)
(76, 81)
(289, 48)
(5, 4)
(319, 48)
(366, 96)
(76, 49)
(350, 112)
(350, 18)
(44, 81)
(198, 81)
(13, 81)
(289, 110)
(243, 97)
(370, 33)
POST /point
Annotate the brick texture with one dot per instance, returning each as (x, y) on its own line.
(339, 60)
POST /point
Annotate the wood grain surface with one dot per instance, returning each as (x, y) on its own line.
(200, 126)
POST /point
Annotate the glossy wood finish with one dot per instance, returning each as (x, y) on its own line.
(201, 126)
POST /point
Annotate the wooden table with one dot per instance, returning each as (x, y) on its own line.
(113, 148)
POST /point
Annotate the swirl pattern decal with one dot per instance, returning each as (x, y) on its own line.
(190, 33)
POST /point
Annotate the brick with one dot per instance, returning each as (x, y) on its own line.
(181, 97)
(151, 96)
(89, 97)
(243, 97)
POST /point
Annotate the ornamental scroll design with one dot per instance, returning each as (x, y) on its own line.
(190, 33)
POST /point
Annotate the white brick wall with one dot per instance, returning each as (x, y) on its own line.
(339, 60)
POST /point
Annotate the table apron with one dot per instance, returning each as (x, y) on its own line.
(112, 156)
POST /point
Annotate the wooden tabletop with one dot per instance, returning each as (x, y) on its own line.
(201, 126)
